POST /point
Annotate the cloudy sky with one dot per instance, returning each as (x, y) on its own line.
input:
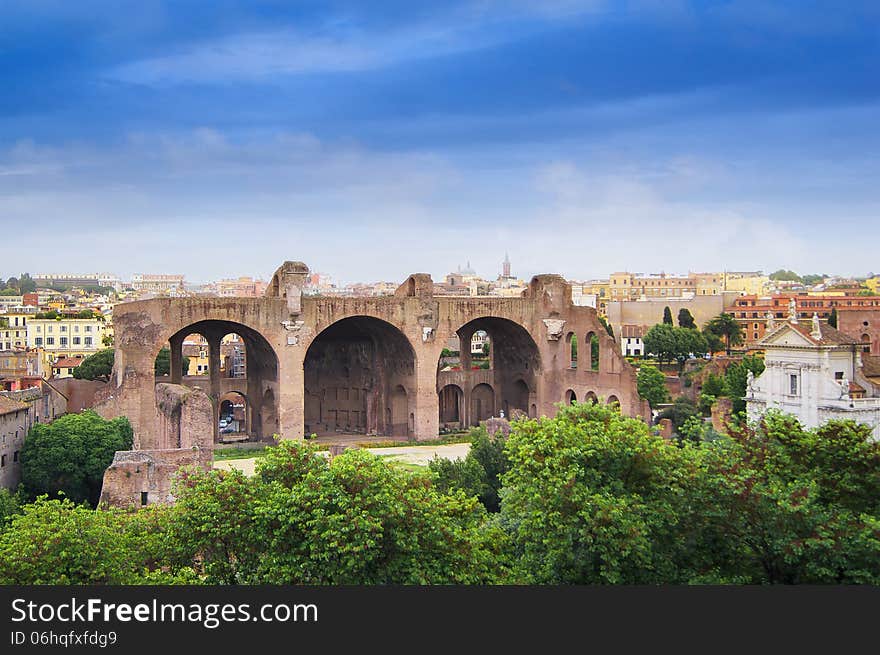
(374, 139)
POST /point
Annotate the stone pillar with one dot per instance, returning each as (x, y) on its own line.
(214, 371)
(176, 372)
(464, 347)
(427, 402)
(291, 391)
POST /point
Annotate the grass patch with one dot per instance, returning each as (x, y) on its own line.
(239, 452)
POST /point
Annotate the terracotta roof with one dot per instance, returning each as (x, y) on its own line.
(7, 405)
(830, 336)
(871, 366)
(68, 362)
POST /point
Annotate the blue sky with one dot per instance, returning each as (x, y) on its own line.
(372, 140)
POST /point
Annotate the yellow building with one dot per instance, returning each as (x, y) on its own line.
(747, 283)
(66, 336)
(13, 330)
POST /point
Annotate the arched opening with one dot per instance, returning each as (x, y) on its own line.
(613, 401)
(513, 365)
(570, 397)
(592, 343)
(572, 350)
(590, 397)
(233, 422)
(228, 361)
(450, 401)
(866, 343)
(519, 400)
(482, 403)
(533, 411)
(359, 377)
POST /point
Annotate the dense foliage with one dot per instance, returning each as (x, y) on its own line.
(588, 497)
(96, 367)
(69, 455)
(652, 386)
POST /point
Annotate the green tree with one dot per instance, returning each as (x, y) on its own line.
(607, 326)
(814, 278)
(26, 284)
(683, 408)
(669, 343)
(736, 379)
(353, 520)
(12, 283)
(795, 506)
(486, 348)
(660, 342)
(652, 386)
(58, 542)
(725, 326)
(783, 275)
(712, 389)
(667, 316)
(70, 455)
(832, 319)
(163, 363)
(592, 497)
(96, 367)
(10, 505)
(686, 319)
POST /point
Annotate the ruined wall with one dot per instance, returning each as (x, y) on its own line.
(386, 367)
(143, 476)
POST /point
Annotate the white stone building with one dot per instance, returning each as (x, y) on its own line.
(815, 373)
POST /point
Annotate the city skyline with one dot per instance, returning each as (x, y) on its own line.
(582, 137)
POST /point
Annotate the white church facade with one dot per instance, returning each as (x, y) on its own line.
(815, 373)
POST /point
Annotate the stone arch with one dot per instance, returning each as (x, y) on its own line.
(572, 342)
(235, 407)
(359, 377)
(866, 343)
(515, 364)
(260, 371)
(482, 403)
(451, 399)
(533, 411)
(570, 397)
(590, 397)
(612, 401)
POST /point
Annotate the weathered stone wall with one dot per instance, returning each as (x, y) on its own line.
(138, 477)
(371, 363)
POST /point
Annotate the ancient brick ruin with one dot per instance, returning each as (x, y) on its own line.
(357, 365)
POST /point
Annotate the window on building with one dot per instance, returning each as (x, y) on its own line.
(50, 341)
(88, 328)
(76, 341)
(793, 384)
(63, 341)
(38, 341)
(76, 328)
(838, 375)
(63, 328)
(87, 341)
(2, 460)
(15, 456)
(49, 328)
(39, 328)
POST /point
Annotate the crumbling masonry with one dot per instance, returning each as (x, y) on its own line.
(345, 364)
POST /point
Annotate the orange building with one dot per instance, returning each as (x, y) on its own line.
(857, 315)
